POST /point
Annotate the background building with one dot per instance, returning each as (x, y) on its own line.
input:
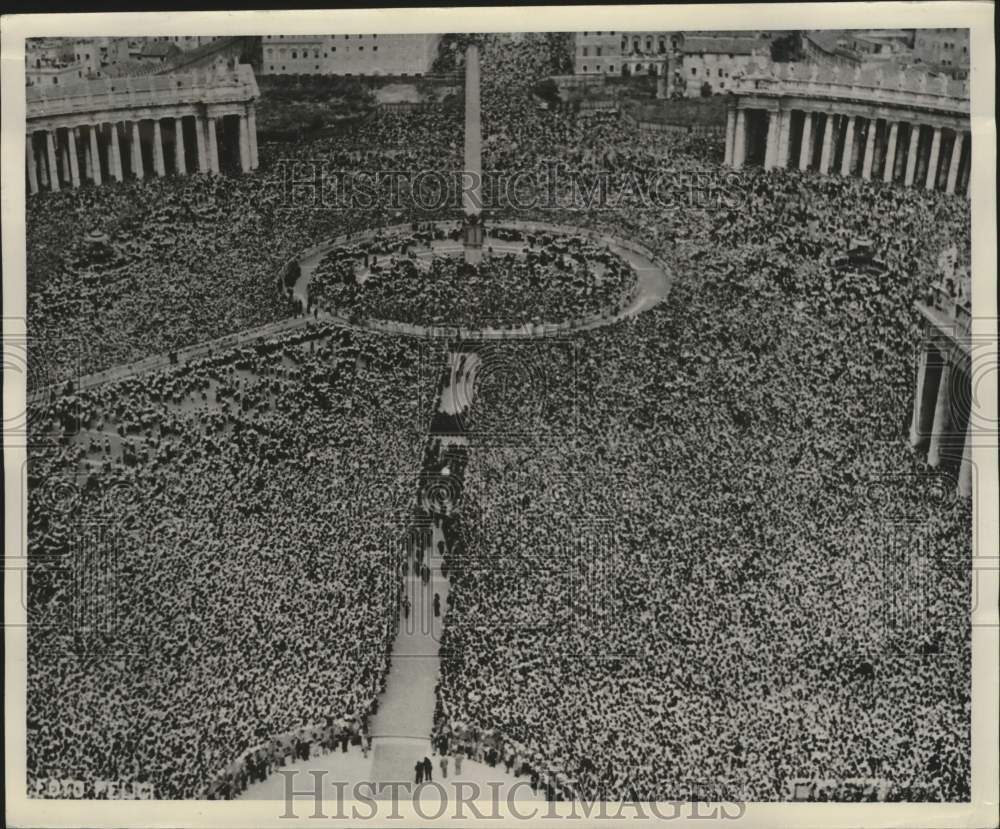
(709, 62)
(690, 59)
(944, 47)
(348, 54)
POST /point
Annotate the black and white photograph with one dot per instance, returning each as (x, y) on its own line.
(444, 418)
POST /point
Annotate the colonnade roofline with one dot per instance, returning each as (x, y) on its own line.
(913, 90)
(226, 85)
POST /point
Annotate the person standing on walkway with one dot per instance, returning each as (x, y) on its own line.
(428, 769)
(444, 766)
(419, 769)
(437, 604)
(459, 757)
(406, 607)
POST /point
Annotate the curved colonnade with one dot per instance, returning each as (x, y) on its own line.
(895, 127)
(125, 128)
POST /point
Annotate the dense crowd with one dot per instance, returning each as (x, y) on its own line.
(531, 278)
(238, 503)
(679, 577)
(692, 583)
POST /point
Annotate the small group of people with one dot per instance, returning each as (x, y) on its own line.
(424, 769)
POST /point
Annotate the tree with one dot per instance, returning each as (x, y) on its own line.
(787, 48)
(548, 90)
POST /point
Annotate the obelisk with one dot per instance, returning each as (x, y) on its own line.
(472, 201)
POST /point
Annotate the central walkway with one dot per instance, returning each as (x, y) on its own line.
(402, 726)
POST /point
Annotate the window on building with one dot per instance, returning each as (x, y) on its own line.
(295, 55)
(585, 67)
(694, 71)
(55, 80)
(272, 68)
(722, 84)
(611, 67)
(585, 51)
(317, 67)
(374, 48)
(361, 48)
(333, 48)
(597, 51)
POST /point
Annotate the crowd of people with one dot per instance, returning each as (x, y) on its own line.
(240, 520)
(679, 578)
(693, 584)
(534, 278)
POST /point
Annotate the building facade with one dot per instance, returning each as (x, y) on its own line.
(688, 59)
(708, 63)
(900, 127)
(349, 54)
(947, 47)
(119, 128)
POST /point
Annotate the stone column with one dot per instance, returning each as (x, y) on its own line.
(866, 165)
(805, 151)
(965, 468)
(199, 135)
(846, 158)
(942, 414)
(244, 144)
(784, 138)
(88, 161)
(890, 153)
(115, 164)
(179, 165)
(29, 153)
(74, 161)
(928, 374)
(158, 162)
(213, 147)
(50, 147)
(956, 159)
(932, 163)
(252, 126)
(911, 155)
(773, 128)
(64, 161)
(95, 157)
(740, 139)
(730, 134)
(136, 151)
(966, 167)
(43, 171)
(827, 152)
